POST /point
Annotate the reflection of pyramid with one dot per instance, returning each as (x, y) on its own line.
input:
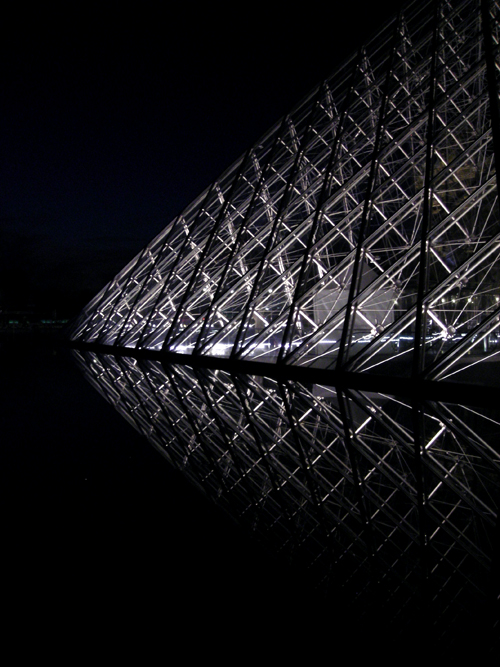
(389, 505)
(361, 229)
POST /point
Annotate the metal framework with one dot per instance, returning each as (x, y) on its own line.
(359, 239)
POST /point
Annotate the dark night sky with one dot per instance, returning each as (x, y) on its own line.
(114, 119)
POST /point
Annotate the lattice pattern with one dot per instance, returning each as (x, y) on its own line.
(360, 237)
(376, 490)
(361, 232)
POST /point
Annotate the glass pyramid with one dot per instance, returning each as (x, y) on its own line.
(315, 340)
(360, 233)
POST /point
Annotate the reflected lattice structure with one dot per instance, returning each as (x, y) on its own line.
(357, 241)
(382, 500)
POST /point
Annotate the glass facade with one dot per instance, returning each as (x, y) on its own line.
(315, 340)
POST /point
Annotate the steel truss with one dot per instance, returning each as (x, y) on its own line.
(361, 232)
(360, 235)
